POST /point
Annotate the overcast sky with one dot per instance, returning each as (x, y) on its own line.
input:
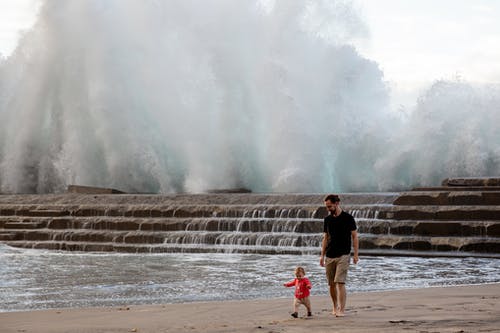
(15, 16)
(415, 42)
(419, 41)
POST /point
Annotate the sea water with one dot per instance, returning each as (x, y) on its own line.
(40, 279)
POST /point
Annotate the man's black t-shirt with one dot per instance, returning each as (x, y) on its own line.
(339, 228)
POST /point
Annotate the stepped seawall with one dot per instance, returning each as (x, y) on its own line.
(450, 220)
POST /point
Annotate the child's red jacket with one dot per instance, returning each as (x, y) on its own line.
(301, 287)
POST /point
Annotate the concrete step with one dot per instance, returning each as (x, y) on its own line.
(430, 228)
(378, 226)
(193, 199)
(455, 213)
(442, 246)
(457, 188)
(173, 237)
(7, 236)
(471, 181)
(160, 248)
(152, 211)
(13, 224)
(186, 211)
(428, 243)
(167, 224)
(381, 211)
(453, 198)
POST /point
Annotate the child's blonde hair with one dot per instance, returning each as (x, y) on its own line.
(300, 269)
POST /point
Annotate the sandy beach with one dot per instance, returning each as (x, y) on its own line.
(450, 309)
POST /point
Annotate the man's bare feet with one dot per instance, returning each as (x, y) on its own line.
(340, 314)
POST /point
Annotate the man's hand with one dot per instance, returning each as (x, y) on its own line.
(322, 261)
(355, 259)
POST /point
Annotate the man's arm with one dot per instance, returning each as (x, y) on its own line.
(355, 245)
(323, 249)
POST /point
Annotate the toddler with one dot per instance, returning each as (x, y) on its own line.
(302, 286)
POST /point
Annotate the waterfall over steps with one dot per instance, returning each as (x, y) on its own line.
(424, 222)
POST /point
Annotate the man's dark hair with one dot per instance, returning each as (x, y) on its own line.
(332, 198)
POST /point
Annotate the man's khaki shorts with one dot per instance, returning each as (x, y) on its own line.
(336, 269)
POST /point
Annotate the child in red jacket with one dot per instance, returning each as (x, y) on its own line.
(302, 286)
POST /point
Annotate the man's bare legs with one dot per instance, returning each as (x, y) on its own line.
(342, 299)
(333, 295)
(338, 295)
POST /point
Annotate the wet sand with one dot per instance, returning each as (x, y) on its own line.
(449, 309)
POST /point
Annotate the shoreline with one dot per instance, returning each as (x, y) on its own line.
(465, 308)
(257, 299)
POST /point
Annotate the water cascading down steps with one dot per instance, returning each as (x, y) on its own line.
(451, 220)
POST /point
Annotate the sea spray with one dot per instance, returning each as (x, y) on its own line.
(184, 96)
(453, 132)
(162, 97)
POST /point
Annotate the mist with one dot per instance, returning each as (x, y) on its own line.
(188, 96)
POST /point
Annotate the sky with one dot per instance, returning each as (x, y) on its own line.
(15, 16)
(415, 42)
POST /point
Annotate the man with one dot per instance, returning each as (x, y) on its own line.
(339, 228)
